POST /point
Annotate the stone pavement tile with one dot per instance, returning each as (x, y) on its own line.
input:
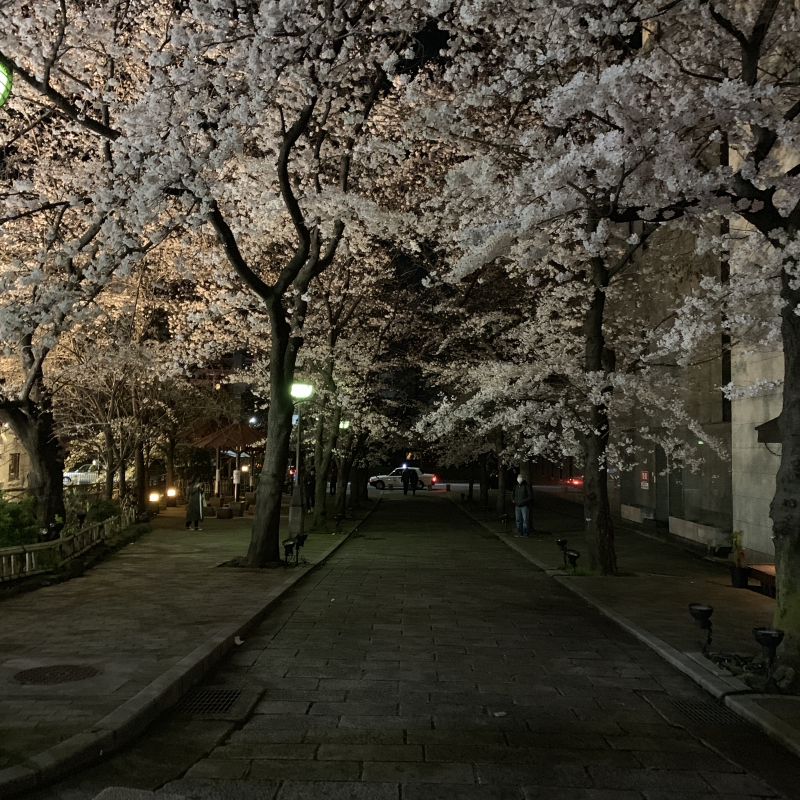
(674, 745)
(250, 750)
(334, 790)
(729, 783)
(641, 779)
(356, 736)
(454, 736)
(543, 774)
(413, 772)
(365, 722)
(288, 722)
(571, 741)
(705, 761)
(547, 793)
(223, 769)
(433, 791)
(196, 789)
(252, 736)
(282, 707)
(274, 769)
(369, 752)
(354, 709)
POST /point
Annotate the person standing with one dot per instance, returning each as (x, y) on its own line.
(522, 497)
(413, 481)
(406, 478)
(195, 500)
(311, 488)
(333, 478)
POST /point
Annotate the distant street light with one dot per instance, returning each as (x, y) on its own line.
(344, 425)
(6, 80)
(300, 392)
(253, 420)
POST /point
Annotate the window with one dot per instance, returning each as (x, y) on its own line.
(13, 467)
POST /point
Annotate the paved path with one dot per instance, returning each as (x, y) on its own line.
(131, 618)
(428, 661)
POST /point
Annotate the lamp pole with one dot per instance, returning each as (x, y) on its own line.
(300, 392)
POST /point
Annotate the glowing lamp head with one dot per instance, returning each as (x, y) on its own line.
(172, 492)
(253, 420)
(154, 497)
(344, 425)
(302, 391)
(6, 79)
(245, 468)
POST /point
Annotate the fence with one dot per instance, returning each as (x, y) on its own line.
(33, 559)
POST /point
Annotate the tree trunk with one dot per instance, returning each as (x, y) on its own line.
(364, 487)
(110, 462)
(324, 455)
(484, 462)
(501, 477)
(785, 508)
(345, 462)
(597, 511)
(123, 478)
(35, 429)
(169, 460)
(471, 480)
(140, 477)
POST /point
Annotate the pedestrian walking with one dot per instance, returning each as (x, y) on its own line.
(522, 497)
(311, 488)
(409, 478)
(195, 501)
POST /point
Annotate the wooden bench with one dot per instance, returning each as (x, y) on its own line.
(765, 575)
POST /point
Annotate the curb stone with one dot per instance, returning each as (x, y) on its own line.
(719, 683)
(131, 718)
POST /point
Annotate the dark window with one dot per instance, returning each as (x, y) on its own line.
(13, 467)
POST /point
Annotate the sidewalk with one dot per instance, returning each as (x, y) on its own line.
(144, 625)
(650, 599)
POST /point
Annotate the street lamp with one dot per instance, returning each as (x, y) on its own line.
(344, 424)
(6, 79)
(300, 392)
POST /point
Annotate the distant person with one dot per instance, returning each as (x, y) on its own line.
(522, 497)
(195, 500)
(333, 478)
(409, 478)
(311, 488)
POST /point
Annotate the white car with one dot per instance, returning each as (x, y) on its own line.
(394, 480)
(83, 475)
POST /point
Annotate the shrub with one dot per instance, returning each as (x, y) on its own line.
(101, 511)
(18, 522)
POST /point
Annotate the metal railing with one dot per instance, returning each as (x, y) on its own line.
(26, 560)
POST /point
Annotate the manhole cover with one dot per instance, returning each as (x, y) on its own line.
(61, 673)
(707, 713)
(209, 701)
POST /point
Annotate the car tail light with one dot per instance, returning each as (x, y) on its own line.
(434, 479)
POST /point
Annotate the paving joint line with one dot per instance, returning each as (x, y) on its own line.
(135, 715)
(733, 693)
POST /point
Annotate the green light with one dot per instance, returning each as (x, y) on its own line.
(344, 425)
(6, 79)
(302, 391)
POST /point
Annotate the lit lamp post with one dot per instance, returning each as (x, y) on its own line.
(300, 392)
(6, 79)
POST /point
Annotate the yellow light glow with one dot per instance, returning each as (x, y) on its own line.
(302, 391)
(171, 492)
(154, 497)
(245, 468)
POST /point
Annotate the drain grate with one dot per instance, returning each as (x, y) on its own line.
(60, 673)
(707, 713)
(209, 701)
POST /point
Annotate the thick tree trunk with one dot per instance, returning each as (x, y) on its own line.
(123, 478)
(35, 429)
(785, 508)
(597, 512)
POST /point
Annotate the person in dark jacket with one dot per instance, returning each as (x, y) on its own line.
(522, 497)
(409, 478)
(195, 499)
(311, 488)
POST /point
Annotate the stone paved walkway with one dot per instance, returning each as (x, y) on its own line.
(132, 617)
(428, 661)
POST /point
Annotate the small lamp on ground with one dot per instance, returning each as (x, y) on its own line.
(172, 497)
(153, 502)
(300, 392)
